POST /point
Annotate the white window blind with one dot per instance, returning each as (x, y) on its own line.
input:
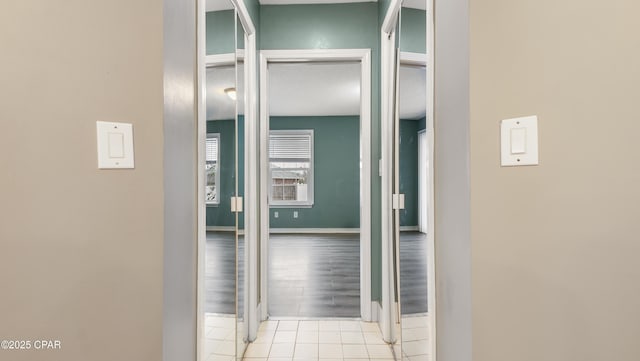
(212, 149)
(290, 146)
(212, 168)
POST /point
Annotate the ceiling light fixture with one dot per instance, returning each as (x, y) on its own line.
(231, 93)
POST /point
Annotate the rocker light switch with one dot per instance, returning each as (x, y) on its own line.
(519, 138)
(115, 145)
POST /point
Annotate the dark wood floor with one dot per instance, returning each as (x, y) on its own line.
(220, 274)
(413, 272)
(314, 275)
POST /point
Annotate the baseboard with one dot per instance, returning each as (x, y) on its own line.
(224, 229)
(375, 311)
(314, 230)
(221, 228)
(254, 323)
(409, 228)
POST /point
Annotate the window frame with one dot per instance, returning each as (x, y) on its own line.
(310, 185)
(216, 202)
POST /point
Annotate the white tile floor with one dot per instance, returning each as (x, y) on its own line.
(219, 338)
(415, 338)
(325, 340)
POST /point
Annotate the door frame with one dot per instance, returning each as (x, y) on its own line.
(323, 55)
(387, 111)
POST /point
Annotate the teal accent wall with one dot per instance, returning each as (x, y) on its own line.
(253, 6)
(220, 32)
(336, 174)
(413, 30)
(409, 129)
(317, 26)
(383, 5)
(336, 26)
(220, 215)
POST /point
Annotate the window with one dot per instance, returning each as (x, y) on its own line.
(212, 168)
(291, 167)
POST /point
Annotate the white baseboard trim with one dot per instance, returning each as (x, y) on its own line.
(375, 311)
(314, 230)
(409, 228)
(224, 229)
(221, 228)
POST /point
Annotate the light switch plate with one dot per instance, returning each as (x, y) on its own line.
(115, 145)
(519, 141)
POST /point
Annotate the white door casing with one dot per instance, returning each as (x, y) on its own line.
(320, 55)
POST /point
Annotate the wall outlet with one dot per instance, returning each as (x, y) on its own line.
(275, 214)
(295, 214)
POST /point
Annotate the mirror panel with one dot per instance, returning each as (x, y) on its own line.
(241, 269)
(219, 299)
(411, 181)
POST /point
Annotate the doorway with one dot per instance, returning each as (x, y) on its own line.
(298, 184)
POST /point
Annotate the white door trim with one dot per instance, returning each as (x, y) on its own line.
(429, 128)
(364, 57)
(201, 138)
(387, 95)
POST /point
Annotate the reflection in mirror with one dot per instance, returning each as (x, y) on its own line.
(241, 280)
(220, 269)
(412, 165)
(413, 238)
(219, 332)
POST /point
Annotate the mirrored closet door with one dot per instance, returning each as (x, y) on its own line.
(410, 182)
(241, 249)
(221, 280)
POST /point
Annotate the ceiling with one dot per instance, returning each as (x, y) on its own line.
(413, 92)
(219, 105)
(308, 89)
(216, 5)
(314, 89)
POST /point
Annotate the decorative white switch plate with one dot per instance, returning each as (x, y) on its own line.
(519, 138)
(115, 145)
